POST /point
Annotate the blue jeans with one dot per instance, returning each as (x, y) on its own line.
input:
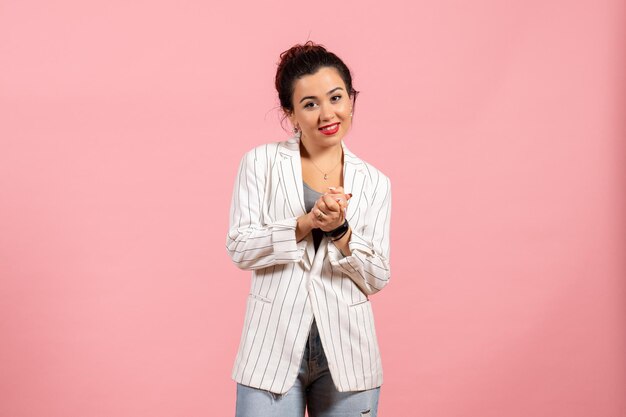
(313, 389)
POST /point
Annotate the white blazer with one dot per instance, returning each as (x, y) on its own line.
(292, 283)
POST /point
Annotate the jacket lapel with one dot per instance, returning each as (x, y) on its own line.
(290, 174)
(354, 176)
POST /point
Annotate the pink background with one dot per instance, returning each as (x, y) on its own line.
(500, 123)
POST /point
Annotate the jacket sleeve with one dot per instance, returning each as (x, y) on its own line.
(250, 243)
(368, 263)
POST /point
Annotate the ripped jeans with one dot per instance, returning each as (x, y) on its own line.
(313, 389)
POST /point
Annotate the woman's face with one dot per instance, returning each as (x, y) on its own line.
(321, 107)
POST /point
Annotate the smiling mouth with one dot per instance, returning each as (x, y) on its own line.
(329, 128)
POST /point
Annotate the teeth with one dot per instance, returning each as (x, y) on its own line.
(329, 127)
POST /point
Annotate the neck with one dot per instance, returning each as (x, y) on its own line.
(316, 153)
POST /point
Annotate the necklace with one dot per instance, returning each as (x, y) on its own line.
(326, 173)
(318, 168)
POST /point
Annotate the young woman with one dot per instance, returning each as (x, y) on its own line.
(311, 221)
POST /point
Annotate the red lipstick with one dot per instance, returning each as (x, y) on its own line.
(329, 130)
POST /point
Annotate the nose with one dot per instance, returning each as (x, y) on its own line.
(327, 113)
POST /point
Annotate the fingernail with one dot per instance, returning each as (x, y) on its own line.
(350, 194)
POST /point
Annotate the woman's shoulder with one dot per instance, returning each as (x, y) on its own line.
(265, 152)
(374, 175)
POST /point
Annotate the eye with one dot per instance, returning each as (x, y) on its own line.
(336, 97)
(309, 105)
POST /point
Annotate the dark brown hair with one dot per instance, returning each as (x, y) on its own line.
(307, 59)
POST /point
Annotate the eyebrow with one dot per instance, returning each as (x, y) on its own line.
(330, 92)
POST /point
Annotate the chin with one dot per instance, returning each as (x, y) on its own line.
(333, 140)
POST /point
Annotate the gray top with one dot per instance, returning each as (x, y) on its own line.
(310, 197)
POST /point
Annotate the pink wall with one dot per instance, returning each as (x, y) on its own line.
(501, 125)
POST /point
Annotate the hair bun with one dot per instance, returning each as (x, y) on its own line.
(300, 49)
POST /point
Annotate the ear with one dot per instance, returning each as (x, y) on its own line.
(292, 117)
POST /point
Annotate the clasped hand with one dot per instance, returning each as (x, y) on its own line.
(330, 210)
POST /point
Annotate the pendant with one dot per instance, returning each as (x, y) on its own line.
(325, 176)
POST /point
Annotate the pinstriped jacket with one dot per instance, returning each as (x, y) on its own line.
(292, 283)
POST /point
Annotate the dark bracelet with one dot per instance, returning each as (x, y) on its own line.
(342, 235)
(339, 231)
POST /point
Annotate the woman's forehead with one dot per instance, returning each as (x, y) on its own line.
(319, 83)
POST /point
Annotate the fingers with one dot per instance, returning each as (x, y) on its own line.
(319, 219)
(334, 191)
(324, 221)
(324, 218)
(328, 202)
(340, 199)
(338, 190)
(318, 214)
(330, 209)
